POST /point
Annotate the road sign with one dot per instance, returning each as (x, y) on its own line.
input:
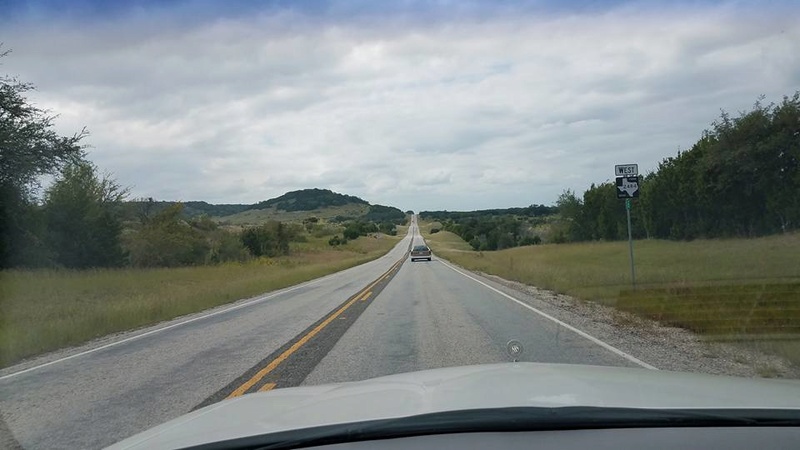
(626, 170)
(627, 187)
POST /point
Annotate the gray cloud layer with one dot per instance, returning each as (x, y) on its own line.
(466, 114)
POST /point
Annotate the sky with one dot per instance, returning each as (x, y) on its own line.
(420, 105)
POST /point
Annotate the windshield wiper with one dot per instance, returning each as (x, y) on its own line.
(512, 420)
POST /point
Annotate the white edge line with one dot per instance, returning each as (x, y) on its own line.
(184, 322)
(608, 347)
(158, 330)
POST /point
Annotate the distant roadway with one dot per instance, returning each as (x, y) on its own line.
(387, 316)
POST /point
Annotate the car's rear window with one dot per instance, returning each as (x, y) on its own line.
(420, 248)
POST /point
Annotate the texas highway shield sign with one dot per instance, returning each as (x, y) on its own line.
(627, 187)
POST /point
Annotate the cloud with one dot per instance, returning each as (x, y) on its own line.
(418, 110)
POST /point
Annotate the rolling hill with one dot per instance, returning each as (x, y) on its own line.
(309, 200)
(293, 206)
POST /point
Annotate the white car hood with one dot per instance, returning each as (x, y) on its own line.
(459, 388)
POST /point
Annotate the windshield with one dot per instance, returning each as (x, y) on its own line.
(207, 201)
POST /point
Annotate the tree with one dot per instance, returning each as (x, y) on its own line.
(22, 231)
(570, 210)
(388, 228)
(270, 239)
(29, 148)
(380, 213)
(310, 223)
(167, 240)
(352, 232)
(225, 246)
(603, 214)
(83, 218)
(740, 179)
(492, 229)
(782, 179)
(355, 229)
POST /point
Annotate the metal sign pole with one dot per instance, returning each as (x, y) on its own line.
(627, 187)
(630, 241)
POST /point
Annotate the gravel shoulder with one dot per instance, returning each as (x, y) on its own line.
(665, 347)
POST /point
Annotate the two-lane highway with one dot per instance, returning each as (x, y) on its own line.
(436, 315)
(387, 316)
(99, 396)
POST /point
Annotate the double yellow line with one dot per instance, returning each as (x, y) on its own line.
(362, 295)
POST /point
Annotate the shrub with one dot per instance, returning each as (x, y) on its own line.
(388, 228)
(166, 240)
(270, 239)
(530, 240)
(336, 240)
(351, 232)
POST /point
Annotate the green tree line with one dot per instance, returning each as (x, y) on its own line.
(29, 149)
(527, 211)
(494, 229)
(385, 215)
(741, 179)
(190, 208)
(82, 220)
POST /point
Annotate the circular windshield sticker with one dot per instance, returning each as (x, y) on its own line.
(514, 349)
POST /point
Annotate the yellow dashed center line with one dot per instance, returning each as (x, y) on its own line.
(363, 295)
(267, 387)
(283, 356)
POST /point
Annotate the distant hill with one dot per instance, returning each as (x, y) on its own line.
(309, 200)
(380, 213)
(292, 206)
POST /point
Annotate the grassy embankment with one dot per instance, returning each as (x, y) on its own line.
(745, 290)
(43, 310)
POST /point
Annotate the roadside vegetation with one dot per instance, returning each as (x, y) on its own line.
(78, 260)
(48, 309)
(741, 290)
(717, 249)
(496, 229)
(741, 179)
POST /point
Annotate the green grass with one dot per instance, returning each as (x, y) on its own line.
(443, 240)
(744, 290)
(601, 270)
(772, 310)
(43, 310)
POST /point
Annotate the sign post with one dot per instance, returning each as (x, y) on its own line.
(630, 242)
(628, 188)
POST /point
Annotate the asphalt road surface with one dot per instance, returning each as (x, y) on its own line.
(384, 317)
